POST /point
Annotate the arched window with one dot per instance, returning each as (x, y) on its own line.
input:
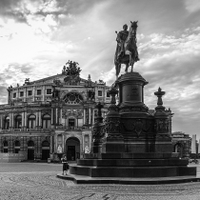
(73, 98)
(71, 123)
(45, 144)
(5, 146)
(18, 121)
(31, 121)
(30, 144)
(17, 146)
(46, 121)
(6, 122)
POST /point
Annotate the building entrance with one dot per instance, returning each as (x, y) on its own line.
(30, 154)
(73, 148)
(45, 150)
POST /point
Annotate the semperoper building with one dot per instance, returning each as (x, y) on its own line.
(51, 116)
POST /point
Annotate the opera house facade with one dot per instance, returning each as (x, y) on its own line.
(48, 117)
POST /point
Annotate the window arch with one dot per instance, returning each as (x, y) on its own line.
(30, 143)
(6, 122)
(5, 146)
(46, 121)
(73, 98)
(18, 121)
(31, 121)
(45, 143)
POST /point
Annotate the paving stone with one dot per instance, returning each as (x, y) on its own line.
(33, 181)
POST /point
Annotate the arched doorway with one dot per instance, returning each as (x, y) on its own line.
(178, 148)
(45, 150)
(30, 150)
(73, 148)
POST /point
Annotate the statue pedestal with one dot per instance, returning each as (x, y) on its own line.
(113, 145)
(136, 143)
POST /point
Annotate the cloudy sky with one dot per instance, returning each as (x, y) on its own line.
(37, 37)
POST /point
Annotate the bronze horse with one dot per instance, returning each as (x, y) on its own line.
(130, 55)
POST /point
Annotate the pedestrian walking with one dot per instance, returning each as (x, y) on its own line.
(65, 164)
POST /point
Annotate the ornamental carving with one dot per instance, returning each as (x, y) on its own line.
(78, 113)
(73, 98)
(112, 125)
(134, 125)
(141, 108)
(162, 125)
(138, 126)
(98, 132)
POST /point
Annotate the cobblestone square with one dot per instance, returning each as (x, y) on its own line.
(32, 181)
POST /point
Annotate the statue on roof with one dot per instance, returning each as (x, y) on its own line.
(72, 72)
(71, 68)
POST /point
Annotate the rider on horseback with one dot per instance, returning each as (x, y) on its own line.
(121, 39)
(126, 51)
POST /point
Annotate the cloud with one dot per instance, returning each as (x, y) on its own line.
(192, 5)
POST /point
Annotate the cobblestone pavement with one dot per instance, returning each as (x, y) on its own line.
(37, 181)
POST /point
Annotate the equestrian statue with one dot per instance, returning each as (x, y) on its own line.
(126, 51)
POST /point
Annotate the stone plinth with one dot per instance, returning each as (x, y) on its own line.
(132, 142)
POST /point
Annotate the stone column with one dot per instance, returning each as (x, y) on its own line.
(43, 93)
(12, 116)
(56, 116)
(51, 144)
(89, 115)
(60, 121)
(10, 120)
(22, 119)
(36, 120)
(52, 116)
(0, 121)
(25, 119)
(34, 93)
(84, 116)
(93, 114)
(40, 118)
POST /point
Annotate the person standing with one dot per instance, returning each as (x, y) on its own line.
(65, 164)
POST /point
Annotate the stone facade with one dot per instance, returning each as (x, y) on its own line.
(182, 144)
(51, 116)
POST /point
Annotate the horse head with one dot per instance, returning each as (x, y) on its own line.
(134, 24)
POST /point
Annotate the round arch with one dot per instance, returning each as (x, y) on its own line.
(18, 121)
(73, 148)
(6, 122)
(73, 98)
(178, 148)
(31, 121)
(46, 121)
